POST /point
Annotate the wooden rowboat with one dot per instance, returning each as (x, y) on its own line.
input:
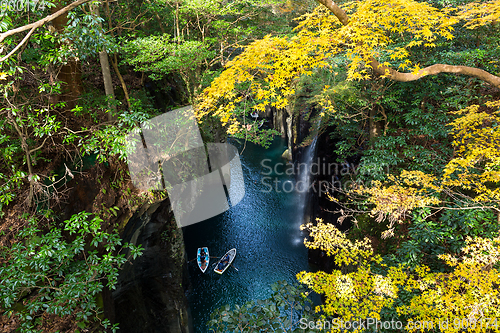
(203, 258)
(225, 261)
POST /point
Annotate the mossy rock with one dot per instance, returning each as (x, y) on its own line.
(287, 154)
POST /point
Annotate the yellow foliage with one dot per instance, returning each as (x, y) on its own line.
(466, 296)
(360, 294)
(372, 26)
(479, 252)
(329, 239)
(478, 14)
(464, 299)
(264, 75)
(476, 165)
(269, 67)
(475, 168)
(412, 189)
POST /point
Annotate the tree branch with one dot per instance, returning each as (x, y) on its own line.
(25, 39)
(336, 10)
(41, 22)
(408, 77)
(39, 147)
(435, 69)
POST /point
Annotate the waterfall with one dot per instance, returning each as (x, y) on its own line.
(304, 194)
(304, 168)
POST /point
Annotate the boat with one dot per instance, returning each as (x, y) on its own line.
(225, 261)
(203, 258)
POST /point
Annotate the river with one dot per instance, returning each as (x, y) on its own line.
(263, 227)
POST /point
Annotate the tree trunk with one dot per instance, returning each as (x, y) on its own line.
(157, 17)
(177, 22)
(120, 77)
(25, 147)
(114, 60)
(375, 126)
(106, 73)
(71, 72)
(108, 83)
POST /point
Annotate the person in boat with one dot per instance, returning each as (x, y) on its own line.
(220, 266)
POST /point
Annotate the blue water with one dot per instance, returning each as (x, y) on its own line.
(263, 227)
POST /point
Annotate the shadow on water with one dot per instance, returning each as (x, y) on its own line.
(263, 227)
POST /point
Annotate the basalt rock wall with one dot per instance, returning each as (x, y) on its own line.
(293, 124)
(149, 294)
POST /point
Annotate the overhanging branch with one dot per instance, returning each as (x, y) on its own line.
(433, 70)
(430, 70)
(41, 22)
(25, 39)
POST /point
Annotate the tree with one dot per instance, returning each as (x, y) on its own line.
(469, 179)
(33, 26)
(204, 36)
(106, 73)
(161, 56)
(424, 22)
(375, 37)
(268, 72)
(372, 289)
(50, 267)
(437, 208)
(46, 273)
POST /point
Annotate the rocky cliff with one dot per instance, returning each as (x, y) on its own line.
(149, 295)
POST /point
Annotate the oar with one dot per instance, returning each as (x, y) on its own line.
(235, 268)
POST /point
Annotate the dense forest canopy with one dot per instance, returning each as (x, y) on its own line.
(407, 86)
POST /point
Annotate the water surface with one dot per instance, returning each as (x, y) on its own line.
(263, 227)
